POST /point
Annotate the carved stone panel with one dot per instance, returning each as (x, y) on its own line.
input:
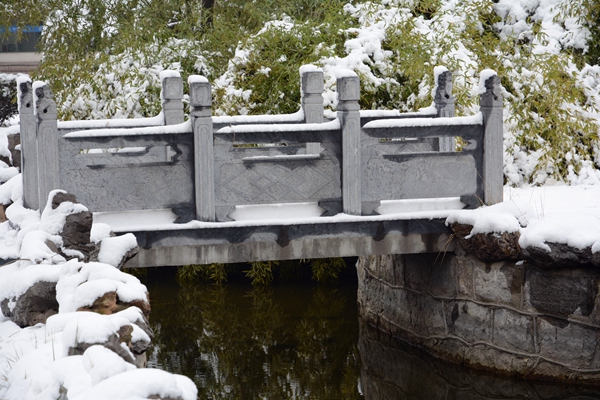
(274, 182)
(400, 177)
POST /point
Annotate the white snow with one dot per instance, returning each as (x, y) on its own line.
(276, 212)
(53, 220)
(484, 76)
(141, 384)
(113, 249)
(113, 123)
(168, 74)
(309, 68)
(135, 220)
(197, 79)
(21, 78)
(326, 126)
(35, 86)
(82, 283)
(184, 127)
(417, 205)
(557, 213)
(343, 72)
(476, 119)
(396, 113)
(258, 119)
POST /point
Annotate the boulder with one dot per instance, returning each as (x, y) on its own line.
(123, 342)
(76, 230)
(32, 307)
(488, 247)
(110, 303)
(113, 343)
(560, 255)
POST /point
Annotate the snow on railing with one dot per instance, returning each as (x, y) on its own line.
(207, 167)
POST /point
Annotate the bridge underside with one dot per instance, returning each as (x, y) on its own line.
(232, 244)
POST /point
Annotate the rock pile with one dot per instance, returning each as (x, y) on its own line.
(80, 323)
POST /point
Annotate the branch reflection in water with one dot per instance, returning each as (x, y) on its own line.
(301, 341)
(236, 341)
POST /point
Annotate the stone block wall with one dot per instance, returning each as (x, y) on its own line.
(392, 369)
(506, 317)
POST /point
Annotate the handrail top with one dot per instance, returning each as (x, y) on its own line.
(184, 127)
(476, 119)
(264, 128)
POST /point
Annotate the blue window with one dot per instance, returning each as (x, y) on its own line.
(27, 44)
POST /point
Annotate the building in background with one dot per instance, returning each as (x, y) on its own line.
(20, 56)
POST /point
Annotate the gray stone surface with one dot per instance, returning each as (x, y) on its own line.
(562, 292)
(469, 321)
(557, 340)
(128, 183)
(444, 103)
(349, 116)
(491, 107)
(47, 138)
(242, 179)
(513, 331)
(312, 96)
(172, 95)
(393, 369)
(204, 164)
(203, 174)
(391, 173)
(498, 282)
(288, 242)
(512, 319)
(29, 154)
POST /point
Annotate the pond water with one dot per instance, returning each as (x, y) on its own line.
(303, 341)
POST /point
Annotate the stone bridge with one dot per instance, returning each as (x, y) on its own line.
(203, 189)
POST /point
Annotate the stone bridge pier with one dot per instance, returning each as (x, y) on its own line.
(505, 317)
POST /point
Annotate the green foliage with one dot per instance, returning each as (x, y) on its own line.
(215, 272)
(8, 93)
(327, 270)
(261, 272)
(102, 60)
(139, 273)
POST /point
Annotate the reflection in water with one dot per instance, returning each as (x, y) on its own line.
(299, 341)
(391, 369)
(241, 342)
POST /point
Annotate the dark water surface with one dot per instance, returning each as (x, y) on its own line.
(304, 341)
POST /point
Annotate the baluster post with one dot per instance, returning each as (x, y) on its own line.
(171, 95)
(29, 156)
(491, 107)
(444, 103)
(201, 117)
(311, 80)
(348, 90)
(47, 140)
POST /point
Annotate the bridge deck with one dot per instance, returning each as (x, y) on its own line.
(163, 243)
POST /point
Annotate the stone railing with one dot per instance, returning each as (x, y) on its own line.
(207, 167)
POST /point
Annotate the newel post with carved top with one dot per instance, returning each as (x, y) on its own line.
(47, 141)
(348, 90)
(29, 156)
(171, 96)
(312, 94)
(201, 118)
(444, 104)
(491, 107)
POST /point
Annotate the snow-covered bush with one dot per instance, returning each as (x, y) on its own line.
(101, 64)
(8, 90)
